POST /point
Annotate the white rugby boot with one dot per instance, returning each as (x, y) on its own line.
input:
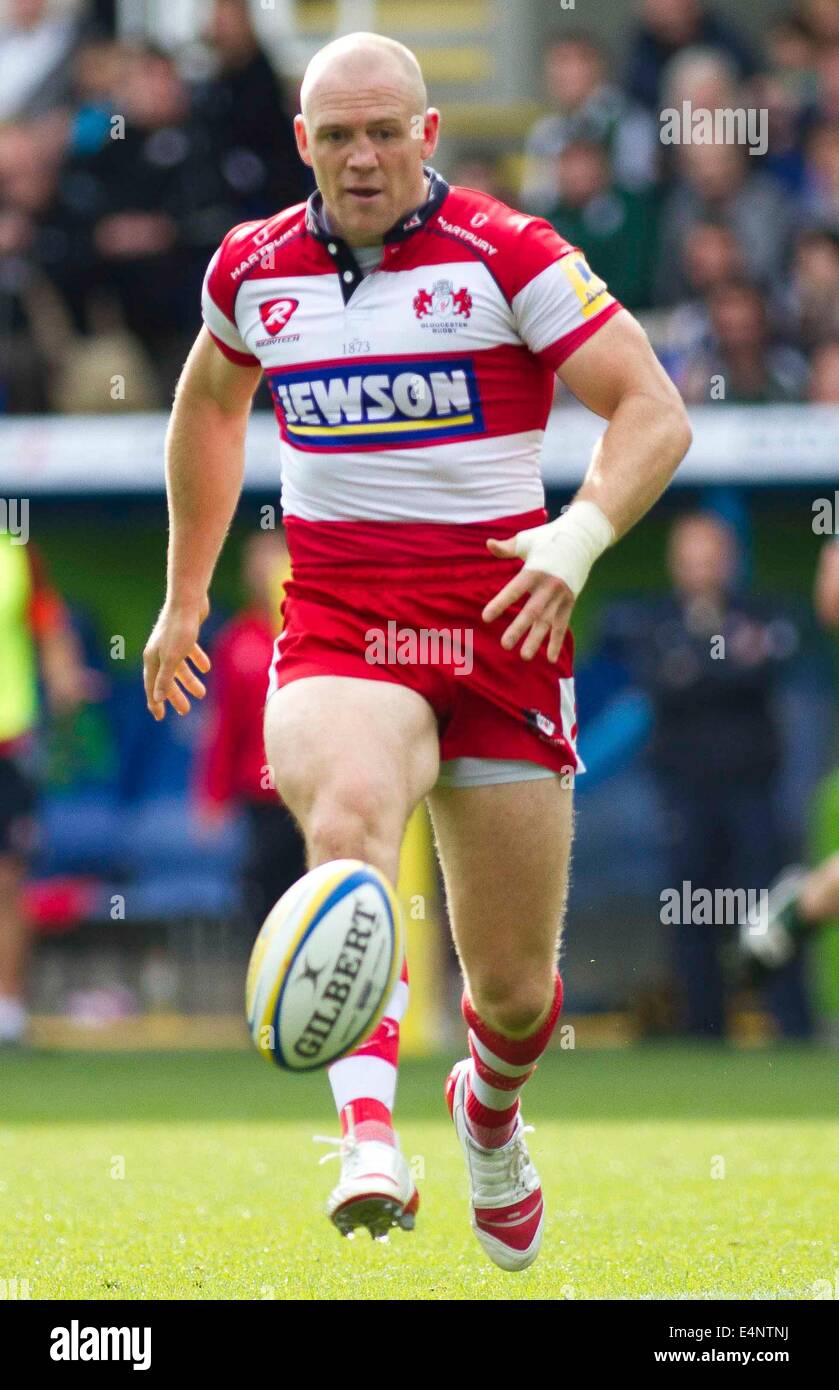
(375, 1188)
(508, 1213)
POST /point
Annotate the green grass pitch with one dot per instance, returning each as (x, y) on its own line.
(668, 1172)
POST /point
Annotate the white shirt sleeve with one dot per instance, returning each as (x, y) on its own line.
(562, 306)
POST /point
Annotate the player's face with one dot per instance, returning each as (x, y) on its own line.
(367, 150)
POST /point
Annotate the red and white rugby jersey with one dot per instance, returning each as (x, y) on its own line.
(420, 391)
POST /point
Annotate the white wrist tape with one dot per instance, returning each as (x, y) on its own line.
(568, 547)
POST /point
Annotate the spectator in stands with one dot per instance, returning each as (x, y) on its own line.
(97, 77)
(820, 198)
(791, 54)
(824, 374)
(826, 66)
(668, 26)
(232, 771)
(245, 109)
(614, 227)
(809, 299)
(803, 900)
(742, 364)
(474, 169)
(27, 186)
(36, 47)
(705, 77)
(709, 657)
(712, 257)
(784, 157)
(722, 183)
(35, 633)
(820, 18)
(136, 220)
(46, 272)
(586, 106)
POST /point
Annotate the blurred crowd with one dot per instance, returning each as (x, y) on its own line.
(119, 176)
(730, 257)
(122, 166)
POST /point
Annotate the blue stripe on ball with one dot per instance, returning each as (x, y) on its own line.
(355, 880)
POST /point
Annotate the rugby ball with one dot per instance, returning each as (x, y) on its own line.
(323, 965)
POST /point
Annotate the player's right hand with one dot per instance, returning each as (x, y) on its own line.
(170, 654)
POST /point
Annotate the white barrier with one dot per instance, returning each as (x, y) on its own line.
(124, 454)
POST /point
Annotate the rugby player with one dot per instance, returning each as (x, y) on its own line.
(410, 334)
(801, 900)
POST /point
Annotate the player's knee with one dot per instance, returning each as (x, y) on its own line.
(352, 825)
(513, 1007)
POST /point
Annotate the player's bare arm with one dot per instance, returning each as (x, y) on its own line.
(205, 460)
(616, 375)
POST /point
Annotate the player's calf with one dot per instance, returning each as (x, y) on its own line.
(501, 1065)
(482, 1093)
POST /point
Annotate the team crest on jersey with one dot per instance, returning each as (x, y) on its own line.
(275, 313)
(442, 306)
(378, 404)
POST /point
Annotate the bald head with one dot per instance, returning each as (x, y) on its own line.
(366, 131)
(364, 61)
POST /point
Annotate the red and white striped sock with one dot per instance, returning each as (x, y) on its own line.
(364, 1084)
(500, 1067)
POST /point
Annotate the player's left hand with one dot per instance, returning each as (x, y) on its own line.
(546, 613)
(170, 655)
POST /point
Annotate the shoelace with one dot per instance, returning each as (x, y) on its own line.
(521, 1169)
(345, 1147)
(502, 1175)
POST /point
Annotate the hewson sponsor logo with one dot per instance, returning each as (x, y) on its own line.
(378, 402)
(81, 1343)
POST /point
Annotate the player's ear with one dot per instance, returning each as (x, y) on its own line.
(431, 132)
(302, 138)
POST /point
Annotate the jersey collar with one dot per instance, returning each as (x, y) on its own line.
(350, 274)
(437, 191)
